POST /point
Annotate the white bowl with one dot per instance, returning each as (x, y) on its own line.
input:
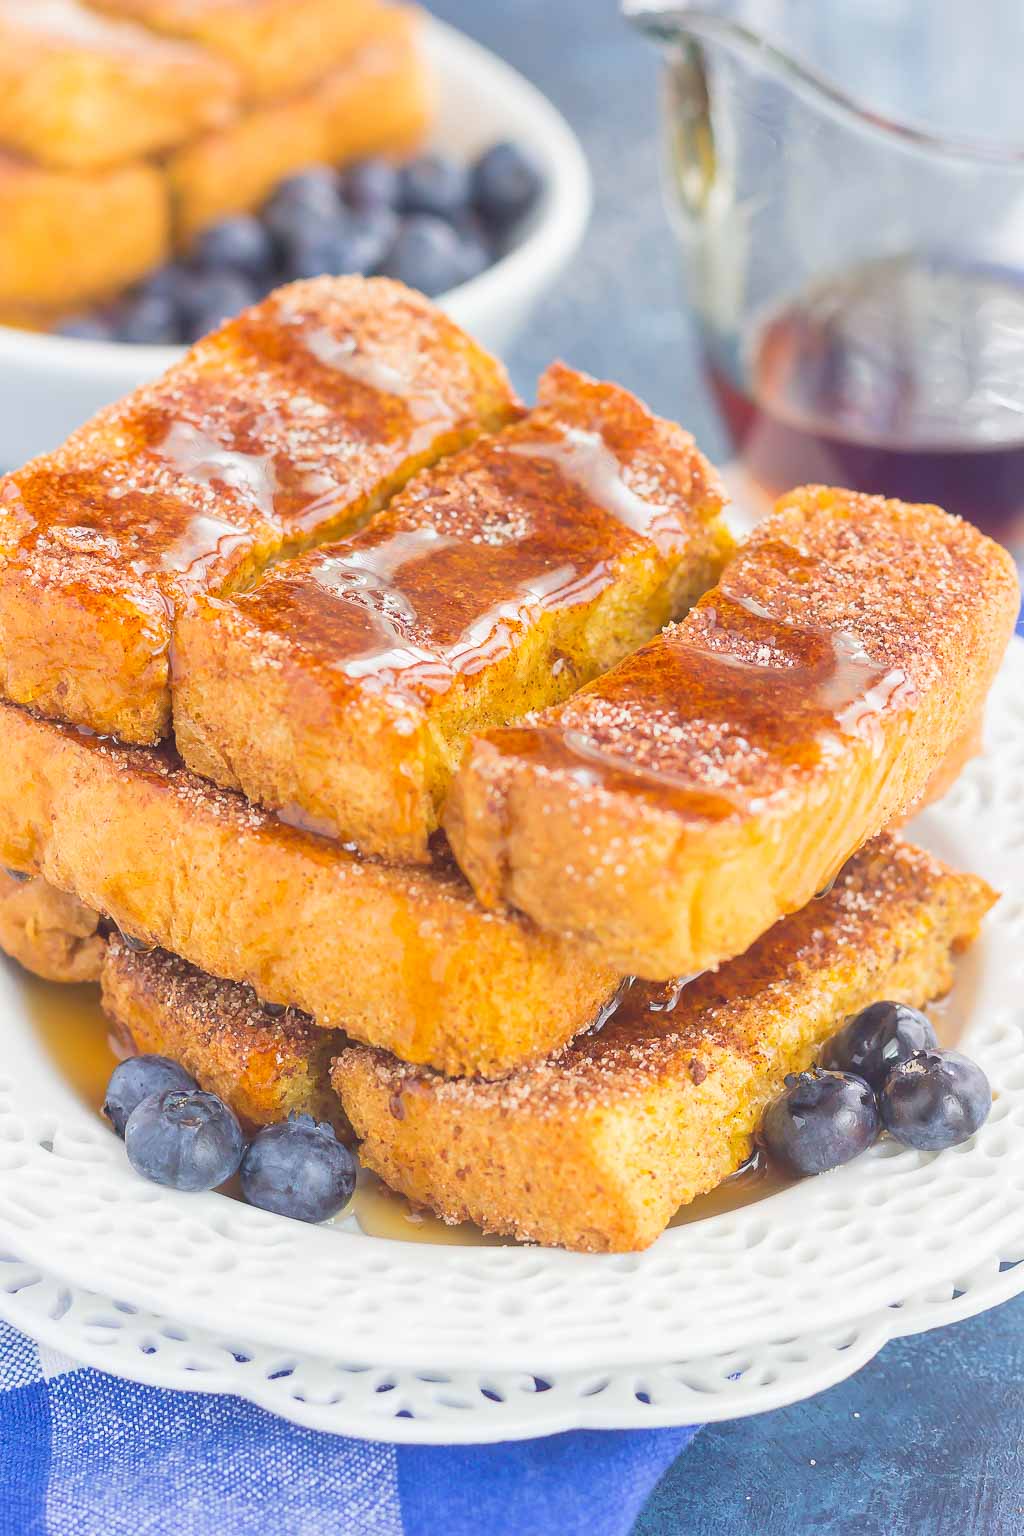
(51, 384)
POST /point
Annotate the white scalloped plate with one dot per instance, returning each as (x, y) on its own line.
(449, 1407)
(829, 1254)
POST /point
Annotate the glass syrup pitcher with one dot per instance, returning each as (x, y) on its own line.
(846, 183)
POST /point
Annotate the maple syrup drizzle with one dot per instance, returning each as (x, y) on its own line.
(587, 460)
(197, 456)
(366, 577)
(795, 693)
(203, 544)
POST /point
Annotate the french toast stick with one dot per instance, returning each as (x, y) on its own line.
(341, 690)
(276, 47)
(673, 810)
(50, 933)
(266, 1066)
(401, 957)
(292, 423)
(82, 92)
(378, 102)
(73, 236)
(596, 1148)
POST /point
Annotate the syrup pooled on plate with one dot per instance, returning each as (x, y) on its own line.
(76, 1035)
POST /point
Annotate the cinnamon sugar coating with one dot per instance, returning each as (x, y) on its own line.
(672, 810)
(598, 1146)
(399, 957)
(342, 688)
(290, 424)
(265, 1065)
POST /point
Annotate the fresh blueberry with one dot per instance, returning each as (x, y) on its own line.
(872, 1042)
(476, 252)
(239, 244)
(820, 1120)
(166, 282)
(148, 319)
(186, 1139)
(353, 242)
(213, 297)
(370, 236)
(371, 184)
(319, 245)
(935, 1099)
(311, 195)
(299, 1169)
(138, 1078)
(426, 254)
(95, 327)
(433, 184)
(505, 184)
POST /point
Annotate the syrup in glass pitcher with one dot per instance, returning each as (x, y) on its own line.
(846, 183)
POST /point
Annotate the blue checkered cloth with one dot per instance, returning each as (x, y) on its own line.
(84, 1454)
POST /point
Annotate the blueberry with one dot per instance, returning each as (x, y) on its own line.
(136, 1079)
(935, 1099)
(433, 184)
(367, 240)
(820, 1120)
(166, 282)
(426, 254)
(240, 244)
(299, 1169)
(148, 319)
(505, 183)
(371, 184)
(210, 298)
(316, 246)
(95, 327)
(185, 1139)
(476, 252)
(310, 195)
(872, 1042)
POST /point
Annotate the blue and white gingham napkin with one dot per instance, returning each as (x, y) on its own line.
(84, 1454)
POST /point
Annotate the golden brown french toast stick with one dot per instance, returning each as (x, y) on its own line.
(292, 423)
(267, 1065)
(596, 1148)
(47, 931)
(73, 236)
(341, 690)
(399, 957)
(378, 102)
(83, 92)
(277, 47)
(674, 809)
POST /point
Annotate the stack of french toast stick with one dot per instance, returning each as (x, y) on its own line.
(127, 126)
(436, 765)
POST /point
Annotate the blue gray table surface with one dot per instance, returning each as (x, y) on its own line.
(927, 1440)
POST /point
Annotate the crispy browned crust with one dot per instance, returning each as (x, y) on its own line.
(48, 932)
(378, 102)
(599, 1146)
(266, 438)
(674, 809)
(72, 236)
(277, 47)
(82, 92)
(265, 1067)
(341, 690)
(398, 957)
